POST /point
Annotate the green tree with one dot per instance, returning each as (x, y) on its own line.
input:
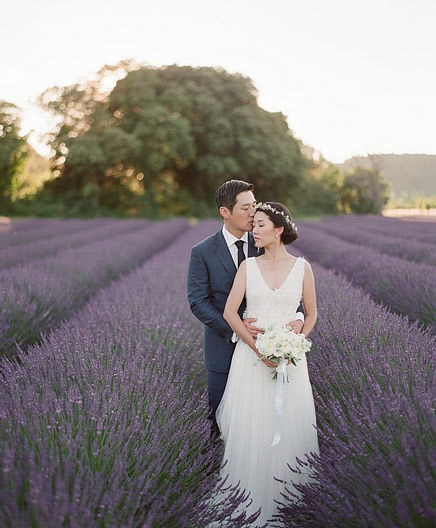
(321, 188)
(87, 147)
(12, 154)
(164, 139)
(33, 174)
(201, 126)
(364, 191)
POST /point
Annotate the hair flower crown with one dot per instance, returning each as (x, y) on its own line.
(267, 207)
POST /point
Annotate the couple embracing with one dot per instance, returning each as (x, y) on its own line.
(242, 280)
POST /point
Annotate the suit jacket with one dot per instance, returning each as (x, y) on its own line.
(210, 278)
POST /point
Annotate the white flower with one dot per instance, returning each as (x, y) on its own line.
(279, 342)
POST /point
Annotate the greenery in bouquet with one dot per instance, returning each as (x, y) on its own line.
(280, 344)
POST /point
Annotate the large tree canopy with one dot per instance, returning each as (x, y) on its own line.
(165, 138)
(12, 153)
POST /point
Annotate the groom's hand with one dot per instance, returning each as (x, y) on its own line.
(254, 330)
(296, 326)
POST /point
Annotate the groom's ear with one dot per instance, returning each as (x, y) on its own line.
(224, 212)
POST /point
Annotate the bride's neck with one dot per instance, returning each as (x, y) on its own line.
(275, 252)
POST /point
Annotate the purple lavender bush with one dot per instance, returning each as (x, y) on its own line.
(22, 232)
(10, 226)
(406, 287)
(18, 255)
(104, 423)
(409, 249)
(37, 296)
(373, 380)
(406, 230)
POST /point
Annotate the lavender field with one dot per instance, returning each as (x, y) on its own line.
(103, 401)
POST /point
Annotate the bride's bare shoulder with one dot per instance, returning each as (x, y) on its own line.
(293, 258)
(307, 266)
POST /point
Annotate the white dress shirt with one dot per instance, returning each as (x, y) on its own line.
(233, 248)
(230, 241)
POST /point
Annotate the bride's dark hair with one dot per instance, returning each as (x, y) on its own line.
(280, 217)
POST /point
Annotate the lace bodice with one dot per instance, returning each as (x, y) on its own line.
(273, 306)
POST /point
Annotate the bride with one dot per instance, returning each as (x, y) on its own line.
(273, 285)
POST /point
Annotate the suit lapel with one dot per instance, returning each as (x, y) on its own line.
(223, 254)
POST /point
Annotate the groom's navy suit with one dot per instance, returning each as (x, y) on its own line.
(210, 279)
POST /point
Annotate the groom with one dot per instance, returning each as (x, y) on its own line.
(212, 268)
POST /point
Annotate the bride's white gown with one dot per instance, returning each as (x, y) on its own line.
(245, 415)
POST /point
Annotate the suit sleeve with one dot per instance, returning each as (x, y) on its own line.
(301, 308)
(199, 297)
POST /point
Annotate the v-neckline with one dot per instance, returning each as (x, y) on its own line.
(285, 280)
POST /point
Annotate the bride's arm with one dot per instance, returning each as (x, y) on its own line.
(309, 299)
(232, 305)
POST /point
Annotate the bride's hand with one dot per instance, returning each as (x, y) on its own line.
(264, 361)
(269, 363)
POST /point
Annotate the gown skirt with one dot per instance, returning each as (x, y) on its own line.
(245, 415)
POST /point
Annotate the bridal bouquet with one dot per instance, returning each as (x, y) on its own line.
(279, 344)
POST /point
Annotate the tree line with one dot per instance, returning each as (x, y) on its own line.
(162, 140)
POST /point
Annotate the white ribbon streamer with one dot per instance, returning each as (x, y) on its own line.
(279, 401)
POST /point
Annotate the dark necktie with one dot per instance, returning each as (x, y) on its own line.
(240, 244)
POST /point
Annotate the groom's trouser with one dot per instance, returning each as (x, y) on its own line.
(216, 383)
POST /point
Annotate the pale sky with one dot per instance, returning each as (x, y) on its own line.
(352, 76)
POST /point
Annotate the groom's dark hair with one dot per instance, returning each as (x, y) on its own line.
(226, 193)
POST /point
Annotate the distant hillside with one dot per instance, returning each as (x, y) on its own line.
(409, 174)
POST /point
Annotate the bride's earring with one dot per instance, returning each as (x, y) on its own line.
(258, 249)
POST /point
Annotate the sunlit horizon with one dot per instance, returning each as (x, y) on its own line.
(353, 78)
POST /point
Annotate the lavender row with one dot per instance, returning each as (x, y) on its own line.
(117, 434)
(17, 255)
(16, 226)
(36, 297)
(120, 431)
(42, 229)
(405, 287)
(405, 230)
(372, 376)
(411, 250)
